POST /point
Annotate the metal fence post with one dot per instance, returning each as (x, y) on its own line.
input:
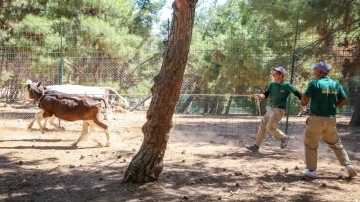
(61, 66)
(293, 59)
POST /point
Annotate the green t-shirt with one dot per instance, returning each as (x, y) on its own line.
(324, 94)
(279, 93)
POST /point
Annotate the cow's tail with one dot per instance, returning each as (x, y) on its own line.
(107, 110)
(124, 100)
(102, 99)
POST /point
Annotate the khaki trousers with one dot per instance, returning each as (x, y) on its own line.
(270, 122)
(322, 127)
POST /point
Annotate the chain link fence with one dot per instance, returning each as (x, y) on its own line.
(133, 78)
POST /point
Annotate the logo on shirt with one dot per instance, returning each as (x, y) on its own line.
(329, 91)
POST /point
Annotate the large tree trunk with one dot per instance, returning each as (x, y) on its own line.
(147, 164)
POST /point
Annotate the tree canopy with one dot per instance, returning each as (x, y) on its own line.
(234, 42)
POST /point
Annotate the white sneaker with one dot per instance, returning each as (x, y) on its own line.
(351, 170)
(309, 173)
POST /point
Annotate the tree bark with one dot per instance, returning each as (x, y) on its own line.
(228, 105)
(355, 117)
(147, 164)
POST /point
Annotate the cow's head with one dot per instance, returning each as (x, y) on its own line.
(32, 91)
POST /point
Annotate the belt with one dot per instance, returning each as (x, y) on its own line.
(329, 116)
(280, 107)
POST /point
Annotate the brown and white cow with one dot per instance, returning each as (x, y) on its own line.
(69, 107)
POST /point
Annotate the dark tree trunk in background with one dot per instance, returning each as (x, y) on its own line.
(206, 103)
(355, 117)
(147, 164)
(186, 104)
(196, 90)
(213, 104)
(228, 105)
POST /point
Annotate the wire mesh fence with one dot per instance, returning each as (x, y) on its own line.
(132, 78)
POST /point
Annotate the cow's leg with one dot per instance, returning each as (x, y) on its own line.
(45, 122)
(84, 131)
(51, 121)
(103, 127)
(31, 123)
(106, 115)
(104, 109)
(109, 114)
(91, 127)
(47, 114)
(36, 117)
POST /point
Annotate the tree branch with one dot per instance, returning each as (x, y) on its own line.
(325, 36)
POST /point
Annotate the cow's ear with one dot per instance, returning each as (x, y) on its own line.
(38, 83)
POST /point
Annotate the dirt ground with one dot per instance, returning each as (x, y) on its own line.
(199, 165)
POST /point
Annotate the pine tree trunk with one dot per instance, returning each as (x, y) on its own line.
(228, 105)
(147, 164)
(355, 117)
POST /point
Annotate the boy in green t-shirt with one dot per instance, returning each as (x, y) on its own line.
(278, 92)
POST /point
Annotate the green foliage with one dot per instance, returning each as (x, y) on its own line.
(142, 87)
(35, 33)
(234, 45)
(241, 41)
(100, 35)
(146, 16)
(5, 76)
(245, 34)
(82, 31)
